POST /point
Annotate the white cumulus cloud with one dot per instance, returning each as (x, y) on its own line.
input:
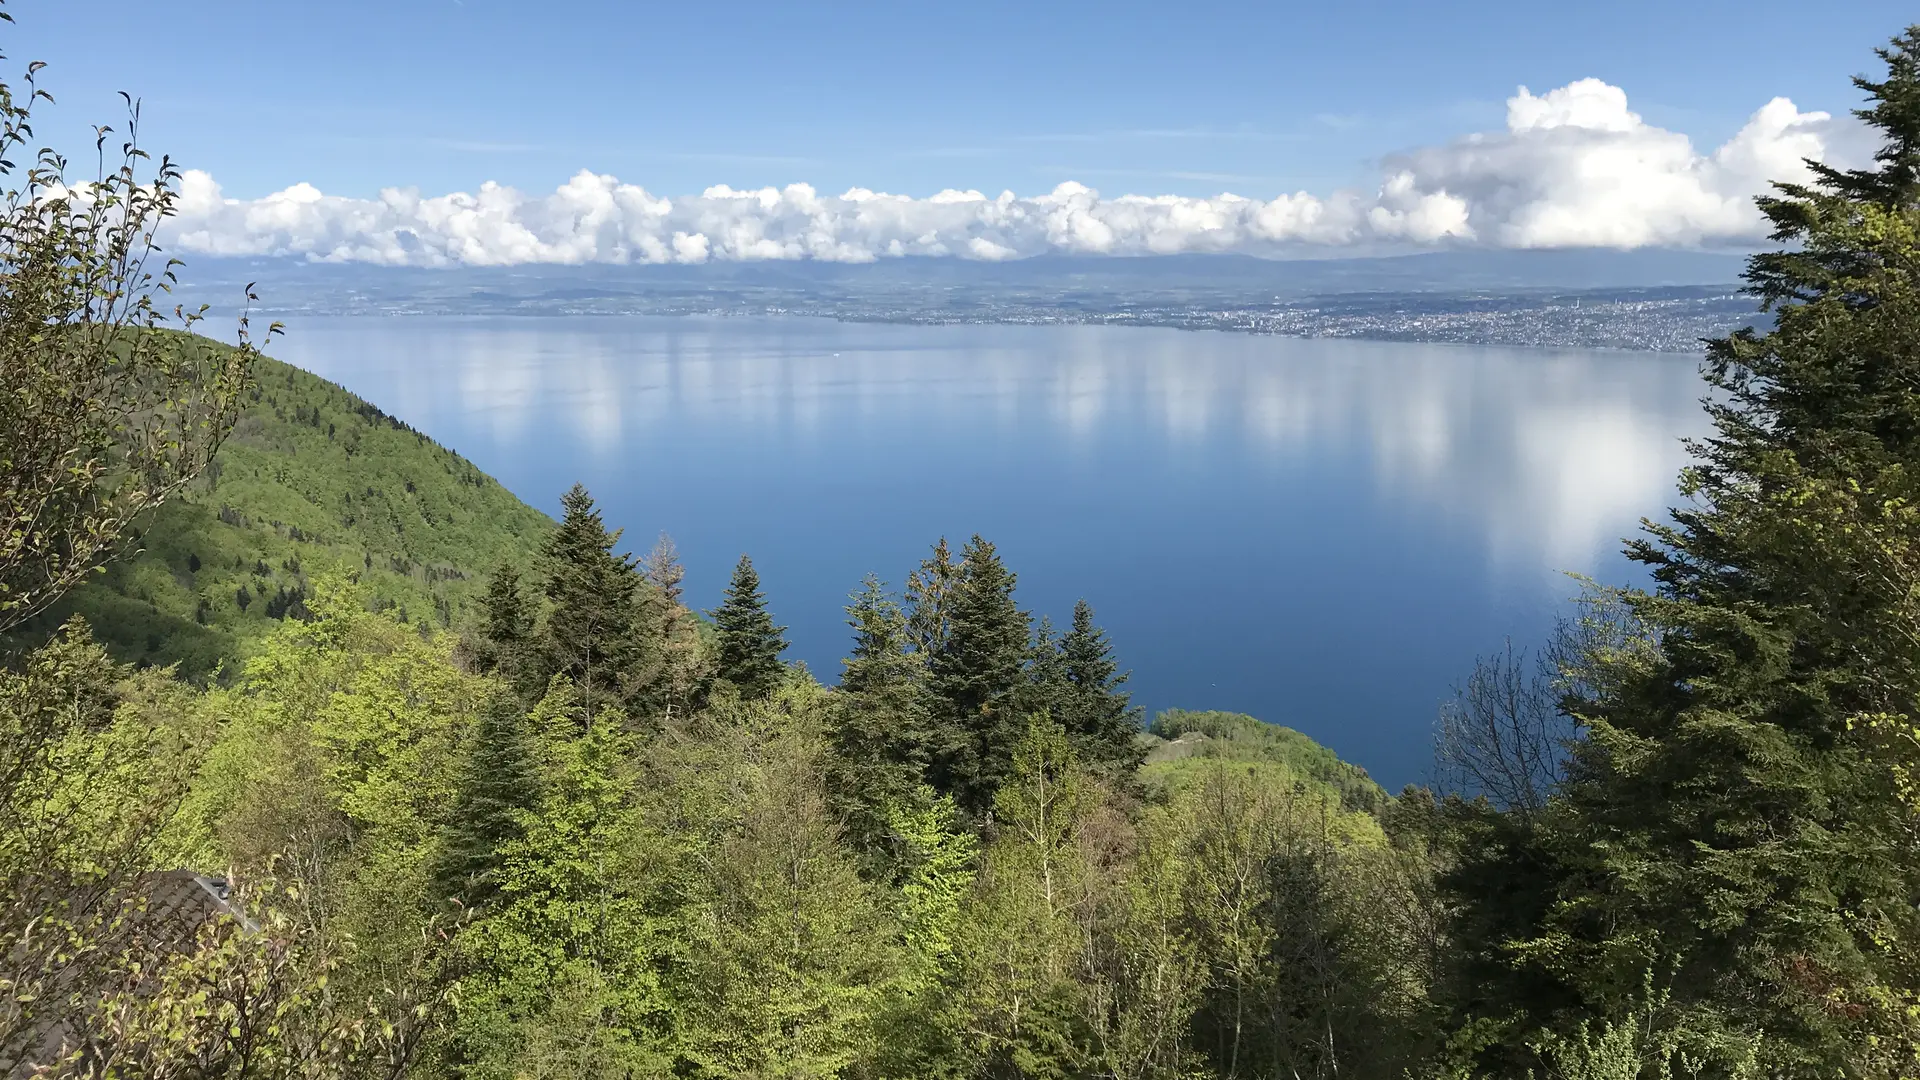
(1575, 167)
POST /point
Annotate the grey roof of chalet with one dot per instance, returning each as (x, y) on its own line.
(171, 906)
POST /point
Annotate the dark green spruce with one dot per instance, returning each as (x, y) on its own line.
(749, 644)
(881, 730)
(977, 676)
(505, 643)
(594, 632)
(498, 785)
(1097, 713)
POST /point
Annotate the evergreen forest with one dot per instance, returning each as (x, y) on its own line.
(470, 793)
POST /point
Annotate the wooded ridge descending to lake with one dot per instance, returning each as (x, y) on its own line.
(312, 481)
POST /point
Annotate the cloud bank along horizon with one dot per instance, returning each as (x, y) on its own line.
(1575, 167)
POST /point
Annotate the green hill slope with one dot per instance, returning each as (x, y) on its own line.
(1182, 742)
(313, 480)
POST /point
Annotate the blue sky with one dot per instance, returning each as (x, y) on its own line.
(1258, 98)
(464, 132)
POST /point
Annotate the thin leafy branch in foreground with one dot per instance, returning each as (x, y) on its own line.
(106, 415)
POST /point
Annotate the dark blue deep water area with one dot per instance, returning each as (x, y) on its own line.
(1321, 533)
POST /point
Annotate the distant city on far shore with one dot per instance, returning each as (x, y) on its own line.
(1645, 301)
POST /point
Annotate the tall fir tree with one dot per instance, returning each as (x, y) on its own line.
(594, 630)
(1098, 714)
(749, 644)
(1047, 690)
(499, 784)
(881, 656)
(927, 590)
(1049, 687)
(506, 644)
(509, 622)
(977, 676)
(880, 731)
(1730, 830)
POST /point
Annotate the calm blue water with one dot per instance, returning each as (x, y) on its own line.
(1321, 533)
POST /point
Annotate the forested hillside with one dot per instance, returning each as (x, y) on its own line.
(312, 481)
(1178, 736)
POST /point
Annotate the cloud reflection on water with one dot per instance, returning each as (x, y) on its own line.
(1547, 458)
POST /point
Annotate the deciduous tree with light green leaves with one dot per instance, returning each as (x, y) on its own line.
(1019, 1000)
(562, 981)
(106, 411)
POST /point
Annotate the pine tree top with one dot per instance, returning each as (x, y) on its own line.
(1833, 224)
(749, 643)
(1895, 111)
(508, 619)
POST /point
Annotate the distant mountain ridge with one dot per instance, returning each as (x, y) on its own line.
(1660, 301)
(1445, 271)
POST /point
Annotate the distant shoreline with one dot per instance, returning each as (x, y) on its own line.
(1667, 320)
(1619, 301)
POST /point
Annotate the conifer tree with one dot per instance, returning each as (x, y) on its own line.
(880, 732)
(684, 665)
(506, 631)
(1097, 713)
(498, 785)
(1730, 829)
(749, 643)
(978, 674)
(508, 622)
(662, 569)
(927, 589)
(561, 976)
(1049, 690)
(593, 632)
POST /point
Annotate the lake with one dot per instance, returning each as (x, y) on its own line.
(1322, 533)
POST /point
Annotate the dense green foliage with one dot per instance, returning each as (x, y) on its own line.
(1723, 881)
(312, 481)
(1180, 735)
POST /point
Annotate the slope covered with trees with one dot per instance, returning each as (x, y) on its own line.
(311, 481)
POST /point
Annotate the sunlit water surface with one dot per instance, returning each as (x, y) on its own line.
(1321, 533)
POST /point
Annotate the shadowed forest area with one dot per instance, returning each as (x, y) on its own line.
(323, 756)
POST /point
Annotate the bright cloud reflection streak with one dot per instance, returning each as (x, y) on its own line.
(1544, 458)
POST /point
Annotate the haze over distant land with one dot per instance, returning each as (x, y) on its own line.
(1651, 299)
(1579, 224)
